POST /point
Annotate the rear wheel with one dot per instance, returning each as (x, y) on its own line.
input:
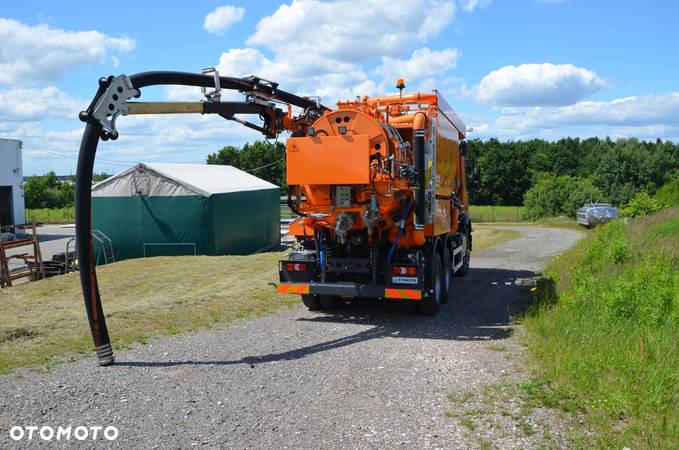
(311, 301)
(430, 305)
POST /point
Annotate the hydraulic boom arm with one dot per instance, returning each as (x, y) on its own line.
(112, 101)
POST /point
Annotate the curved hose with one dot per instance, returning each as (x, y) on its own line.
(399, 234)
(83, 190)
(83, 232)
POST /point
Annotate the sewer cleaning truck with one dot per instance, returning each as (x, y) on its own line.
(378, 185)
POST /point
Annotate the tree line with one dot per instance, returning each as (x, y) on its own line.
(552, 177)
(571, 170)
(606, 170)
(48, 191)
(262, 159)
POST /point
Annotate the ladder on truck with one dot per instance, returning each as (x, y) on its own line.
(33, 269)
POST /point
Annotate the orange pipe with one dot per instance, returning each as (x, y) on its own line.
(408, 98)
(419, 120)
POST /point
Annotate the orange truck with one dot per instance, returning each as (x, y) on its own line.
(379, 185)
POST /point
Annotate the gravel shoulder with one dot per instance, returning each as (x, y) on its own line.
(369, 376)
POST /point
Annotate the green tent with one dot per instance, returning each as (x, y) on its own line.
(186, 209)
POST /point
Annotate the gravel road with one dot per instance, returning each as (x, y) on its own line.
(369, 376)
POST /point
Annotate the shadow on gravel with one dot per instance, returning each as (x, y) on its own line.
(483, 304)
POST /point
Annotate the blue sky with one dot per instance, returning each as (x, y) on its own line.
(512, 69)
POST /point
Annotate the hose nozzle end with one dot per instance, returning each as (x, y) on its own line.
(105, 355)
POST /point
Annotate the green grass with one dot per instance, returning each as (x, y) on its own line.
(605, 334)
(496, 213)
(51, 216)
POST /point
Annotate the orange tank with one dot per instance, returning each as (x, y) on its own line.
(380, 186)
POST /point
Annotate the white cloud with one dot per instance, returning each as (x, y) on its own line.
(21, 104)
(222, 18)
(647, 110)
(183, 93)
(538, 85)
(646, 117)
(34, 54)
(345, 31)
(166, 138)
(306, 76)
(330, 41)
(471, 5)
(422, 64)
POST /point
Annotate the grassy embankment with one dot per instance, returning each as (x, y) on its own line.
(44, 322)
(51, 216)
(605, 340)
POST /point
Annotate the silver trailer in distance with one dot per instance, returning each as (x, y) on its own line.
(592, 214)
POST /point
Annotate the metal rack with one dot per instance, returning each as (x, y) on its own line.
(34, 267)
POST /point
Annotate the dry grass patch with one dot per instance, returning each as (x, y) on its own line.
(45, 322)
(485, 237)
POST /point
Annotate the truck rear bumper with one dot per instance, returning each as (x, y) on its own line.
(350, 290)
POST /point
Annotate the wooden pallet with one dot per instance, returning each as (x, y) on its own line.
(33, 271)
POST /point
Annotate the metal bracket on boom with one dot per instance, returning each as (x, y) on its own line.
(111, 104)
(216, 95)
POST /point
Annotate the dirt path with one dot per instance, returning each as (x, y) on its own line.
(365, 377)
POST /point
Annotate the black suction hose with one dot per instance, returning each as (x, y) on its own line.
(83, 232)
(418, 156)
(83, 187)
(143, 79)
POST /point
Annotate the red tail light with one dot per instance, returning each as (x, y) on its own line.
(404, 270)
(295, 267)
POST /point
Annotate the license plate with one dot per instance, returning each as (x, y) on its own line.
(404, 280)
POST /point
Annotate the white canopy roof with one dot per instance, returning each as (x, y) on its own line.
(166, 179)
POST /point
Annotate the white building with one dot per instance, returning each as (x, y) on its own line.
(11, 183)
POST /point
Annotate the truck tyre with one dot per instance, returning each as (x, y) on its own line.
(311, 301)
(447, 275)
(466, 255)
(430, 305)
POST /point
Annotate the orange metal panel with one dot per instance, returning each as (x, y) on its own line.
(442, 218)
(409, 294)
(447, 158)
(328, 160)
(290, 288)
